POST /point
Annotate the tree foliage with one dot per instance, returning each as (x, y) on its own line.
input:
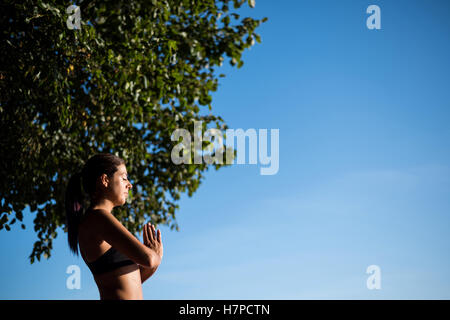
(122, 83)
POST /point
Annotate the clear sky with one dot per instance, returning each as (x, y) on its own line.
(364, 169)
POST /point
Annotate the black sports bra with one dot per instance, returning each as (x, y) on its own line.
(110, 260)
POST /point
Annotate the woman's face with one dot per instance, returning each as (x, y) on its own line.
(118, 186)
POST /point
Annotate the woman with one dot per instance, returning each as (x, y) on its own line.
(119, 262)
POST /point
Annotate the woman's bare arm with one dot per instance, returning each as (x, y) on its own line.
(112, 231)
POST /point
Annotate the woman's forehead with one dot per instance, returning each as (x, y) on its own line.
(122, 169)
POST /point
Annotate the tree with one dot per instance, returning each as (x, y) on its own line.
(122, 83)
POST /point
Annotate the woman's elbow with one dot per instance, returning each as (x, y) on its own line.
(151, 260)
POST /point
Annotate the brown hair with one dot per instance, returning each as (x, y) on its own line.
(83, 185)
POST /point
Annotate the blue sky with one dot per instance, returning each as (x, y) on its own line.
(364, 169)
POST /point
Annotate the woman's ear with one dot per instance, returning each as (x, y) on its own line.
(104, 180)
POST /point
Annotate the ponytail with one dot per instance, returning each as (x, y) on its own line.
(74, 203)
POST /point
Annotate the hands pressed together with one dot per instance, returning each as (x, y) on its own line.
(152, 239)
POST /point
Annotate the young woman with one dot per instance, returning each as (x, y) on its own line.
(119, 262)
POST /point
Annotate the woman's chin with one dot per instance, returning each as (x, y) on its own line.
(121, 202)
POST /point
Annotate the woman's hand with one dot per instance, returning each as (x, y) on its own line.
(153, 240)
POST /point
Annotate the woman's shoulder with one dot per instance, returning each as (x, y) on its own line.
(93, 216)
(92, 211)
(87, 217)
(87, 234)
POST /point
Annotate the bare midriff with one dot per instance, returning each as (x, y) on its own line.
(123, 283)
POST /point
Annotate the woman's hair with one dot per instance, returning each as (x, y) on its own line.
(83, 184)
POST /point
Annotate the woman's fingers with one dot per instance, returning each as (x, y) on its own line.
(145, 234)
(155, 233)
(152, 232)
(149, 234)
